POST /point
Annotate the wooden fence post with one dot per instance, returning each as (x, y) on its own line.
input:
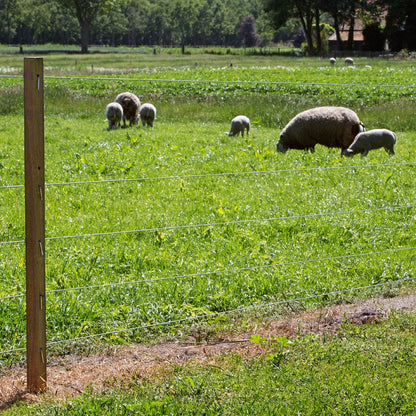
(35, 224)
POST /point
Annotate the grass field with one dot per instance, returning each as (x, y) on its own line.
(149, 230)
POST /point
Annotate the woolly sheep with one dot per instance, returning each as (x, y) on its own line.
(332, 61)
(147, 114)
(131, 107)
(114, 114)
(349, 61)
(372, 139)
(238, 125)
(329, 126)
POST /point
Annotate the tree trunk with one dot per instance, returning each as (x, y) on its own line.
(318, 32)
(350, 44)
(307, 28)
(338, 33)
(85, 29)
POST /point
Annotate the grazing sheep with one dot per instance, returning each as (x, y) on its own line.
(349, 61)
(238, 125)
(329, 126)
(147, 114)
(332, 61)
(131, 107)
(372, 139)
(114, 114)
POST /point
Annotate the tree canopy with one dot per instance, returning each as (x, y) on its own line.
(203, 22)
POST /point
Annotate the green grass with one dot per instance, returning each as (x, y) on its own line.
(362, 370)
(188, 222)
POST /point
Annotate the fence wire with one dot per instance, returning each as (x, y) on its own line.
(240, 222)
(215, 224)
(212, 315)
(216, 175)
(216, 272)
(202, 81)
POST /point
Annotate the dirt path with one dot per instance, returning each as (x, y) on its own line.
(70, 375)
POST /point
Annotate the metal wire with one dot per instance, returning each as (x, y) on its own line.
(190, 81)
(216, 272)
(216, 175)
(215, 314)
(232, 311)
(199, 81)
(217, 224)
(237, 270)
(220, 224)
(2, 243)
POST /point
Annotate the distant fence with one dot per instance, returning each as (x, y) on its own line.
(35, 240)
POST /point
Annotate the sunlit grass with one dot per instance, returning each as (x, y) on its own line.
(362, 370)
(188, 221)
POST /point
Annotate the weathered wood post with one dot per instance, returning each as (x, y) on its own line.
(35, 224)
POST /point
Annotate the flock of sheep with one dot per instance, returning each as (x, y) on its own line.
(127, 106)
(337, 127)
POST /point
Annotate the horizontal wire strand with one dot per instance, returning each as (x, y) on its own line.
(237, 270)
(218, 224)
(214, 314)
(200, 81)
(218, 272)
(232, 311)
(216, 175)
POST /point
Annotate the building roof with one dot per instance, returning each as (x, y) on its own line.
(358, 36)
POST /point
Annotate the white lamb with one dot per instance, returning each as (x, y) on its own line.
(147, 114)
(238, 125)
(349, 61)
(332, 61)
(114, 114)
(372, 139)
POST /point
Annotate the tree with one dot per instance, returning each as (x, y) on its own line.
(401, 24)
(184, 18)
(247, 32)
(307, 11)
(345, 11)
(9, 12)
(85, 12)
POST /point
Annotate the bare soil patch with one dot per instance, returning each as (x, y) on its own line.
(70, 375)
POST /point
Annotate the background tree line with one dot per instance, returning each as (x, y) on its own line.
(130, 22)
(204, 22)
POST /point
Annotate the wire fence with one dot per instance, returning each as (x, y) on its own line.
(243, 222)
(218, 82)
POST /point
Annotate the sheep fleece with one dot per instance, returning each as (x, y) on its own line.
(372, 139)
(329, 126)
(131, 107)
(238, 125)
(114, 113)
(148, 114)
